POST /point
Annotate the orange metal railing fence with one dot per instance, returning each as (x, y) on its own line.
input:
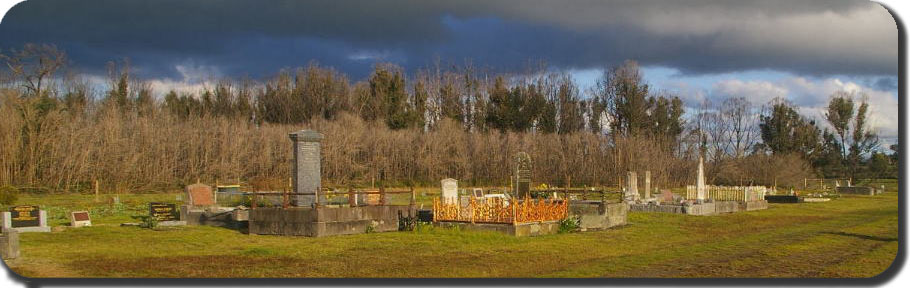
(497, 210)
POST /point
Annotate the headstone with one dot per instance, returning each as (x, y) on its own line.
(701, 192)
(631, 193)
(478, 193)
(449, 191)
(522, 177)
(647, 184)
(163, 211)
(200, 195)
(307, 167)
(25, 216)
(80, 219)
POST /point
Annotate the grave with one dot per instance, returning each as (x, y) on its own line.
(25, 218)
(200, 195)
(518, 215)
(598, 215)
(856, 190)
(80, 219)
(202, 207)
(703, 199)
(305, 218)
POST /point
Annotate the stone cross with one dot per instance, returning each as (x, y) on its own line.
(449, 191)
(700, 190)
(648, 184)
(522, 175)
(307, 167)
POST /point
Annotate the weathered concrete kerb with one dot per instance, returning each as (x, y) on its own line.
(596, 215)
(326, 221)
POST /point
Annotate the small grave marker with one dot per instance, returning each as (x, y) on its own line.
(80, 219)
(163, 211)
(478, 193)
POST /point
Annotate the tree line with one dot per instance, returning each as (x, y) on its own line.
(458, 121)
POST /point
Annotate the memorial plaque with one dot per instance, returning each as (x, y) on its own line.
(80, 219)
(80, 216)
(24, 216)
(163, 211)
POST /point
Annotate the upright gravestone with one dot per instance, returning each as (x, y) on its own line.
(701, 192)
(449, 191)
(647, 184)
(306, 168)
(200, 195)
(522, 177)
(25, 218)
(632, 189)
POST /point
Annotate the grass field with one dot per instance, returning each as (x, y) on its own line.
(853, 236)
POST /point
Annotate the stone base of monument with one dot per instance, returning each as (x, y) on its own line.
(519, 230)
(595, 215)
(707, 208)
(753, 205)
(855, 190)
(9, 244)
(171, 223)
(217, 218)
(326, 221)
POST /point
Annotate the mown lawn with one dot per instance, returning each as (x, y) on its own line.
(853, 236)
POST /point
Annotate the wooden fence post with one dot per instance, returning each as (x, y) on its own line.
(96, 191)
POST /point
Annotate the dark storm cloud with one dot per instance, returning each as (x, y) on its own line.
(258, 37)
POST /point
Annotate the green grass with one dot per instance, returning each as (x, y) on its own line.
(853, 236)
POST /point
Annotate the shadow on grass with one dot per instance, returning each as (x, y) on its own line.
(861, 236)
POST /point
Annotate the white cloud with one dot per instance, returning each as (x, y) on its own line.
(757, 92)
(812, 97)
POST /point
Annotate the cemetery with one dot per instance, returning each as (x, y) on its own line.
(252, 227)
(526, 211)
